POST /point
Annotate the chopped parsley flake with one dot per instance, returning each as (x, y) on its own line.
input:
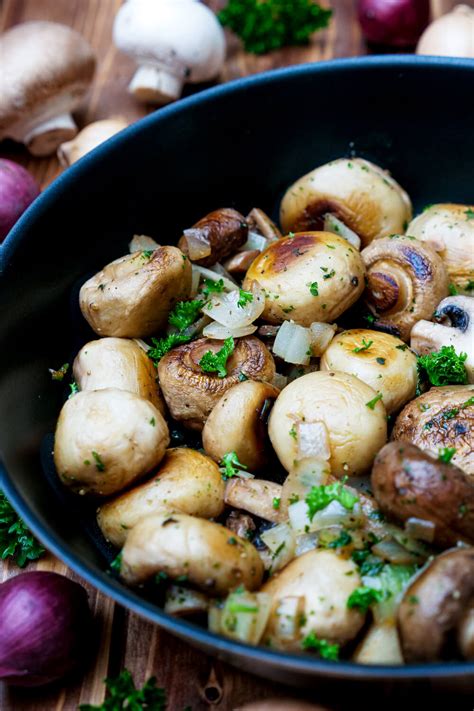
(100, 466)
(313, 287)
(321, 496)
(230, 465)
(446, 454)
(372, 403)
(322, 646)
(362, 598)
(364, 347)
(216, 362)
(60, 372)
(245, 297)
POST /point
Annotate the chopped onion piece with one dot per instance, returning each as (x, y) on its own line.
(255, 241)
(229, 284)
(313, 440)
(306, 542)
(292, 343)
(183, 601)
(220, 332)
(421, 529)
(197, 246)
(279, 381)
(142, 243)
(320, 336)
(144, 346)
(391, 550)
(418, 548)
(289, 616)
(224, 308)
(195, 280)
(245, 616)
(281, 541)
(298, 516)
(336, 226)
(222, 271)
(335, 514)
(305, 474)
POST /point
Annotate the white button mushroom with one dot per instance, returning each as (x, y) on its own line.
(46, 70)
(382, 361)
(313, 276)
(173, 41)
(107, 439)
(352, 411)
(132, 296)
(117, 363)
(360, 194)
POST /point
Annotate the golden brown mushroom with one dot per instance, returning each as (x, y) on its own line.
(362, 195)
(191, 393)
(132, 296)
(214, 237)
(449, 230)
(406, 280)
(313, 276)
(238, 423)
(442, 417)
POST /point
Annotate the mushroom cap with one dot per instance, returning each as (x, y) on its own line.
(237, 423)
(224, 230)
(117, 363)
(324, 580)
(107, 439)
(186, 481)
(442, 417)
(339, 400)
(449, 229)
(211, 556)
(408, 482)
(434, 604)
(132, 296)
(288, 268)
(39, 61)
(406, 280)
(363, 195)
(191, 393)
(388, 366)
(183, 35)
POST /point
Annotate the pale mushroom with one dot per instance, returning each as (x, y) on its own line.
(89, 138)
(173, 41)
(360, 194)
(454, 326)
(257, 496)
(46, 70)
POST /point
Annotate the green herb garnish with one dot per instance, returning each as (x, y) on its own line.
(60, 372)
(212, 287)
(123, 694)
(16, 540)
(446, 454)
(469, 213)
(245, 297)
(74, 389)
(372, 403)
(184, 314)
(343, 539)
(322, 646)
(364, 347)
(100, 466)
(314, 288)
(321, 496)
(230, 465)
(362, 598)
(443, 367)
(216, 362)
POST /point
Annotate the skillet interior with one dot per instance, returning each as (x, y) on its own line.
(241, 144)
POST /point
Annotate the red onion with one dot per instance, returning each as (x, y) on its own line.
(18, 189)
(45, 625)
(396, 23)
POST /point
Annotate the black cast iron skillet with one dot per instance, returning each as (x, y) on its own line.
(240, 144)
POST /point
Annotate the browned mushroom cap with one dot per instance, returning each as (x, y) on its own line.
(442, 417)
(191, 393)
(406, 280)
(241, 261)
(237, 424)
(434, 604)
(215, 236)
(46, 70)
(408, 482)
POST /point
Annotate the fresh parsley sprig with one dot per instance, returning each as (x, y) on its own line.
(123, 694)
(230, 465)
(16, 540)
(216, 362)
(322, 646)
(321, 496)
(443, 367)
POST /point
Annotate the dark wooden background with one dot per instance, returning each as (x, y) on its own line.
(189, 676)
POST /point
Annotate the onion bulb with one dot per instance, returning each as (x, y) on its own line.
(395, 23)
(18, 189)
(451, 35)
(45, 628)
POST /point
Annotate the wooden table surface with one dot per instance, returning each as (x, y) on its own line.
(189, 676)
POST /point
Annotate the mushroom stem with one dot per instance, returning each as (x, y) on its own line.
(156, 84)
(44, 137)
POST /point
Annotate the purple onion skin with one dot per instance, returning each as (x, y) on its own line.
(18, 189)
(393, 23)
(45, 628)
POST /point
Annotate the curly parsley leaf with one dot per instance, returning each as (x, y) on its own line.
(443, 367)
(446, 454)
(60, 372)
(321, 496)
(362, 598)
(245, 297)
(212, 287)
(230, 465)
(161, 346)
(364, 347)
(216, 362)
(322, 646)
(16, 540)
(123, 694)
(184, 314)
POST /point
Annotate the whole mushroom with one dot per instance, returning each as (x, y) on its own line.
(452, 325)
(238, 423)
(173, 41)
(406, 280)
(449, 229)
(312, 276)
(360, 194)
(46, 71)
(192, 393)
(214, 237)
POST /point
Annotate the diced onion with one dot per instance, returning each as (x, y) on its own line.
(254, 241)
(336, 226)
(335, 514)
(279, 381)
(183, 601)
(224, 308)
(281, 541)
(197, 246)
(229, 284)
(244, 616)
(306, 542)
(421, 529)
(305, 474)
(313, 440)
(289, 616)
(418, 548)
(320, 336)
(144, 346)
(292, 343)
(298, 517)
(218, 268)
(142, 243)
(220, 332)
(195, 280)
(391, 550)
